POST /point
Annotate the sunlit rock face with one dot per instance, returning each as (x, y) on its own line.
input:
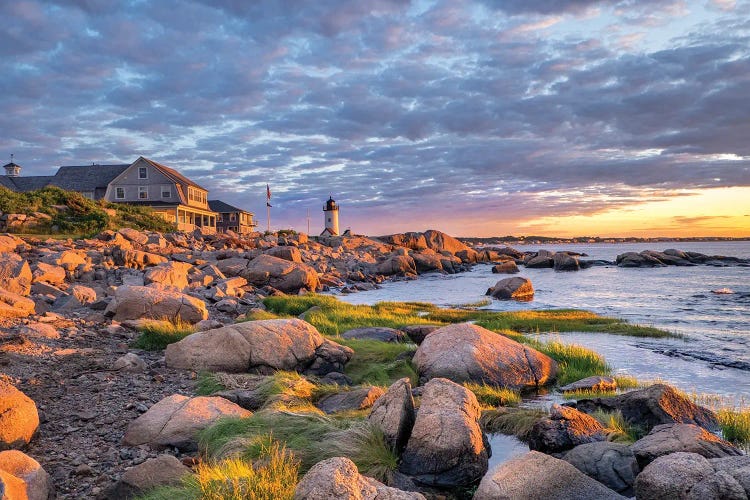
(19, 419)
(469, 353)
(564, 429)
(260, 347)
(135, 302)
(446, 447)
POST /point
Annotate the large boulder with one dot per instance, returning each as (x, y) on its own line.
(393, 414)
(635, 259)
(565, 428)
(338, 478)
(671, 438)
(441, 242)
(136, 259)
(19, 419)
(292, 254)
(259, 346)
(48, 273)
(565, 262)
(411, 240)
(542, 259)
(176, 420)
(654, 405)
(427, 260)
(446, 447)
(672, 476)
(347, 400)
(281, 274)
(135, 302)
(28, 480)
(507, 267)
(381, 333)
(401, 265)
(15, 274)
(469, 353)
(612, 464)
(164, 470)
(737, 467)
(9, 243)
(13, 305)
(539, 476)
(172, 274)
(516, 288)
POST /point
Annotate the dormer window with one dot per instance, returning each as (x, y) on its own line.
(142, 173)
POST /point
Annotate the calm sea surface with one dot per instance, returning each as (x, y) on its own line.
(714, 356)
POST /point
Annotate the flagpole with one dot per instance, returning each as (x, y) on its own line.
(268, 217)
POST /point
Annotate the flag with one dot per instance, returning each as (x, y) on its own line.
(268, 193)
(269, 205)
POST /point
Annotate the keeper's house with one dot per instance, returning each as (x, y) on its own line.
(144, 182)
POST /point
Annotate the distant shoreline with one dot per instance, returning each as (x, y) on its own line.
(548, 240)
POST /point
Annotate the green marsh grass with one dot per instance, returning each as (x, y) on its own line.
(309, 437)
(513, 421)
(379, 363)
(158, 334)
(272, 478)
(491, 396)
(617, 428)
(735, 425)
(574, 361)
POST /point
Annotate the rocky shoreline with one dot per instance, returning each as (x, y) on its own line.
(70, 311)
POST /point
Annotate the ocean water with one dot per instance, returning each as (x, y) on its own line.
(713, 357)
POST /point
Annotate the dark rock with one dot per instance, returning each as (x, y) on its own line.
(671, 438)
(517, 288)
(508, 267)
(380, 333)
(393, 414)
(672, 476)
(612, 464)
(354, 399)
(565, 428)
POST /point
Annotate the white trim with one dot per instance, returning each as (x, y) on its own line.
(143, 190)
(117, 188)
(145, 171)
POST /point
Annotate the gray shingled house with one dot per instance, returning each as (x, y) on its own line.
(232, 218)
(144, 182)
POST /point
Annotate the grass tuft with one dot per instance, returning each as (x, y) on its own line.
(271, 478)
(575, 362)
(513, 421)
(379, 363)
(492, 396)
(617, 428)
(158, 334)
(208, 383)
(735, 425)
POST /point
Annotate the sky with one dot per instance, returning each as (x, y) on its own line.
(478, 118)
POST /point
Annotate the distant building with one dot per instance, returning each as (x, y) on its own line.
(231, 218)
(331, 218)
(170, 194)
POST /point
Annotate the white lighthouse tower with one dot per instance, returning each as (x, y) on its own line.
(331, 218)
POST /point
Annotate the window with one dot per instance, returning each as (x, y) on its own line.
(142, 173)
(143, 192)
(166, 192)
(232, 217)
(120, 193)
(220, 218)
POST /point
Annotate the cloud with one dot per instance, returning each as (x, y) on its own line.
(447, 109)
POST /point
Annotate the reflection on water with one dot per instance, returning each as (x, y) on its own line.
(504, 448)
(715, 357)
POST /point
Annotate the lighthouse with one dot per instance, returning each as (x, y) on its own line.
(331, 218)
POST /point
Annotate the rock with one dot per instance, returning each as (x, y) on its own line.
(654, 405)
(441, 242)
(469, 353)
(380, 333)
(670, 438)
(634, 259)
(39, 330)
(13, 305)
(565, 262)
(164, 470)
(260, 346)
(134, 302)
(48, 273)
(19, 419)
(36, 484)
(540, 476)
(672, 476)
(292, 254)
(412, 240)
(9, 243)
(84, 294)
(338, 478)
(446, 447)
(400, 265)
(542, 259)
(517, 288)
(721, 485)
(738, 467)
(612, 464)
(417, 333)
(355, 399)
(228, 305)
(393, 414)
(507, 267)
(15, 274)
(130, 362)
(232, 266)
(175, 421)
(427, 261)
(565, 428)
(136, 259)
(280, 274)
(172, 274)
(596, 383)
(134, 235)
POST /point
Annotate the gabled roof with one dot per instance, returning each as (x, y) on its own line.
(7, 182)
(32, 183)
(172, 174)
(220, 206)
(86, 177)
